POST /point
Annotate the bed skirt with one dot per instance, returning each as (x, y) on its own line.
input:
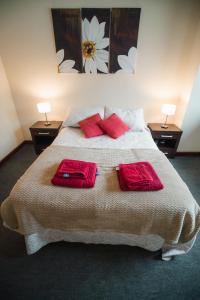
(36, 241)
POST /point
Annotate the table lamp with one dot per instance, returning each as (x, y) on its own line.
(168, 110)
(44, 107)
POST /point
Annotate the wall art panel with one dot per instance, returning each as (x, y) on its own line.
(95, 40)
(124, 36)
(67, 32)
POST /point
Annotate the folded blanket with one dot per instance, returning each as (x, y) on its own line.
(138, 177)
(75, 174)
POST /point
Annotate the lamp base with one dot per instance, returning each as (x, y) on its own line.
(164, 126)
(47, 124)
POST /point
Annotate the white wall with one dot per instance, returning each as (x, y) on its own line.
(10, 130)
(167, 31)
(191, 125)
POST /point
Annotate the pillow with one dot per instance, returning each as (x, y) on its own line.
(76, 115)
(113, 126)
(90, 127)
(134, 118)
(92, 119)
(91, 130)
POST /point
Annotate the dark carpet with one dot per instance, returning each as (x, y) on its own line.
(77, 271)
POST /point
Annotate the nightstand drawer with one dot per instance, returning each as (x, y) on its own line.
(44, 132)
(169, 152)
(166, 142)
(164, 136)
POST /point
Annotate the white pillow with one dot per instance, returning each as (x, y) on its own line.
(78, 114)
(134, 118)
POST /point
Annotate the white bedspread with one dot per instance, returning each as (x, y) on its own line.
(73, 137)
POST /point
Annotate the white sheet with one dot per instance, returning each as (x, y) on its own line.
(73, 137)
(150, 242)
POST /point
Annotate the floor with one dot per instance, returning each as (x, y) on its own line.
(77, 271)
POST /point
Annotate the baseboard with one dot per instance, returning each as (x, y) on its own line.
(14, 151)
(27, 142)
(187, 153)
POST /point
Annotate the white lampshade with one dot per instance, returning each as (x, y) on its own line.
(168, 109)
(44, 107)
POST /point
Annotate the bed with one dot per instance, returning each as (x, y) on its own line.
(168, 219)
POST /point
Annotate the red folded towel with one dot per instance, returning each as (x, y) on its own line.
(75, 174)
(73, 168)
(138, 177)
(135, 173)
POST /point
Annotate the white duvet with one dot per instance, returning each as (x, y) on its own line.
(73, 137)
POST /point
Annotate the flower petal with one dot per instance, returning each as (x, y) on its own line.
(83, 31)
(73, 71)
(124, 62)
(60, 56)
(66, 66)
(101, 31)
(94, 28)
(68, 63)
(123, 71)
(103, 43)
(132, 56)
(86, 28)
(93, 67)
(103, 55)
(87, 66)
(101, 66)
(90, 66)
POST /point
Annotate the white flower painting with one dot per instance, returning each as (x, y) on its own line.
(127, 62)
(96, 40)
(95, 57)
(65, 66)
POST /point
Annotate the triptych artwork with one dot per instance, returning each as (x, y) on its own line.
(96, 40)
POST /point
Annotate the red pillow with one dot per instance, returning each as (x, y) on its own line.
(92, 130)
(92, 119)
(90, 127)
(113, 126)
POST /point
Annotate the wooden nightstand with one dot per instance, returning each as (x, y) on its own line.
(42, 135)
(167, 139)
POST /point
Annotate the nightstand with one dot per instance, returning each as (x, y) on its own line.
(42, 135)
(167, 139)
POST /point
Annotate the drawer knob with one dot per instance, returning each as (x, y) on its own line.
(43, 133)
(166, 136)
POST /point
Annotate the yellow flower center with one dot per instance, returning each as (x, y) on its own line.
(88, 48)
